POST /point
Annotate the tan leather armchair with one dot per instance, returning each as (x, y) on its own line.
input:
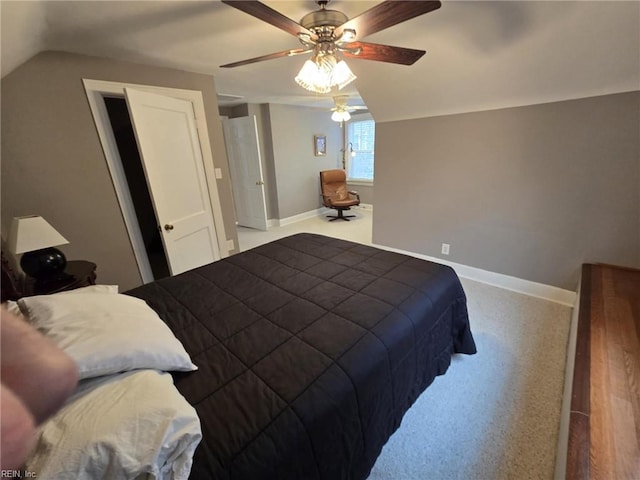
(336, 195)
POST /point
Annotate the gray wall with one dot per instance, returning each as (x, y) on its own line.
(53, 164)
(297, 170)
(531, 192)
(365, 192)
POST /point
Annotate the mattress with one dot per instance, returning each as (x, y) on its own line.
(309, 349)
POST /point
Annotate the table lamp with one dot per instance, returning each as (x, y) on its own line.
(35, 238)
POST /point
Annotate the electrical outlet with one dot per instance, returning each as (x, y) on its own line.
(445, 249)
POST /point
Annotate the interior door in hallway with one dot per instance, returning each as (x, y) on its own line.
(243, 152)
(167, 138)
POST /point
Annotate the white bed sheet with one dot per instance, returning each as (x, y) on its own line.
(133, 425)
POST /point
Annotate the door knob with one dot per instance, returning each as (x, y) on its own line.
(168, 227)
(259, 182)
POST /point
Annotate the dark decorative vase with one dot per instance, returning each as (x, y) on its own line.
(45, 265)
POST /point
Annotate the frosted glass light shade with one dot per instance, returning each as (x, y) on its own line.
(324, 72)
(340, 116)
(342, 75)
(312, 78)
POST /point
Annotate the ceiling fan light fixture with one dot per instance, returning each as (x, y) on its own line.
(323, 72)
(340, 116)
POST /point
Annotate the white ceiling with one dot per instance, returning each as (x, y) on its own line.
(480, 55)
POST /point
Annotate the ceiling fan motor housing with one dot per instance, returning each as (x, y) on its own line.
(323, 23)
(323, 18)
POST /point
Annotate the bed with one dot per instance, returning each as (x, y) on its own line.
(309, 351)
(294, 360)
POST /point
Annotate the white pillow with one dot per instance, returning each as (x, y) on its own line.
(13, 307)
(124, 426)
(107, 334)
(91, 289)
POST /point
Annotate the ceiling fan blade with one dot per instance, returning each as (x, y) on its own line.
(271, 56)
(385, 53)
(269, 15)
(385, 15)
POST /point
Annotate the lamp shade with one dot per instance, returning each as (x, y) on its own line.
(32, 232)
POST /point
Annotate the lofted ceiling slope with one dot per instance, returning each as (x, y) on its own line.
(480, 55)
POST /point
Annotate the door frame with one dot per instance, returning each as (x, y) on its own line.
(96, 90)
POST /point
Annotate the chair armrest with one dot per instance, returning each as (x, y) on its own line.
(326, 200)
(353, 192)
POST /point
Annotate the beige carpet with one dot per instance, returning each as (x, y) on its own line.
(494, 415)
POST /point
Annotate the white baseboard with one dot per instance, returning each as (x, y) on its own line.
(281, 222)
(533, 289)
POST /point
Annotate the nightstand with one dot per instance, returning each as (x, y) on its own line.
(82, 273)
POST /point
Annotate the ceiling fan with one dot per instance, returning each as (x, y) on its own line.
(328, 33)
(341, 110)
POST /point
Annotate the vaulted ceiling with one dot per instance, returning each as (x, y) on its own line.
(480, 55)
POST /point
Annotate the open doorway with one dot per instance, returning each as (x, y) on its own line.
(184, 194)
(134, 173)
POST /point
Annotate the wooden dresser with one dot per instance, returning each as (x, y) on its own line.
(604, 428)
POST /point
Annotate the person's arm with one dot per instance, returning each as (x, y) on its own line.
(36, 378)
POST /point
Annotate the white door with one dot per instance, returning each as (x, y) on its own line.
(170, 151)
(243, 153)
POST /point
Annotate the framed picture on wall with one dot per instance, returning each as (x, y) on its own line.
(320, 145)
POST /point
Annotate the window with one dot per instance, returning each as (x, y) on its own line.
(361, 136)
